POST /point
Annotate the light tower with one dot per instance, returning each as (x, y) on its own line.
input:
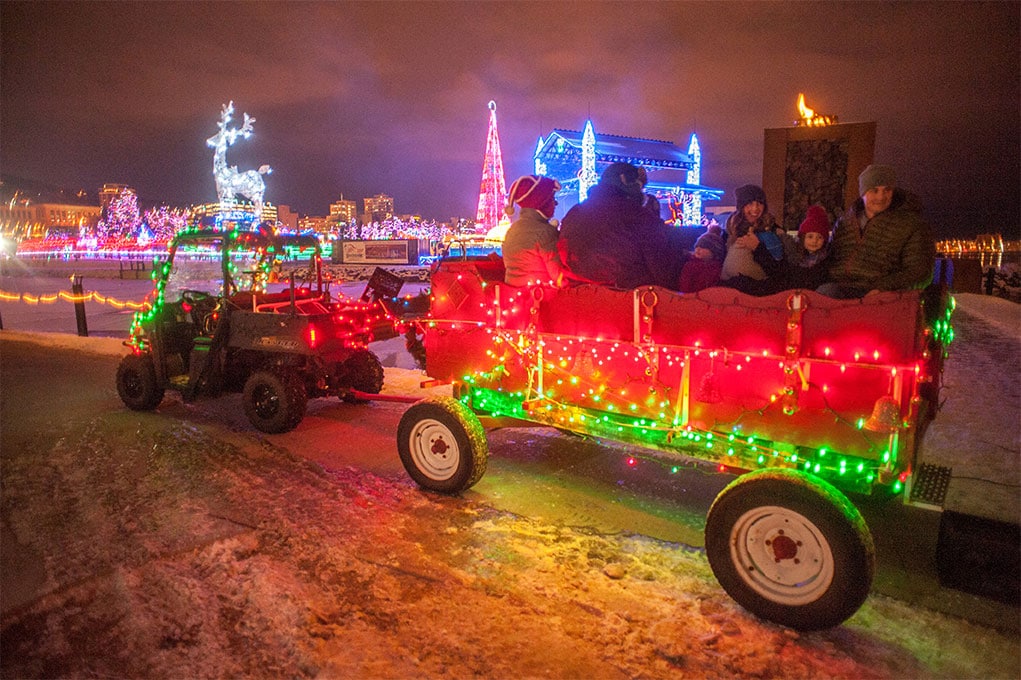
(693, 208)
(588, 178)
(493, 193)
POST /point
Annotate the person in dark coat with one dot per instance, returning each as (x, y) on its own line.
(881, 242)
(613, 239)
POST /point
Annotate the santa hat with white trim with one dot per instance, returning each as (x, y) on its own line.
(533, 191)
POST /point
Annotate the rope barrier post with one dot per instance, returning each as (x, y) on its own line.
(79, 305)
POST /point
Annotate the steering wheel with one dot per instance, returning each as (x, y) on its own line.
(202, 307)
(193, 297)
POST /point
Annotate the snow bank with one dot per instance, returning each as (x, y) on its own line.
(107, 346)
(1003, 314)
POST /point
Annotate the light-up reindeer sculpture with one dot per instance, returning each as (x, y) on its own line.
(230, 182)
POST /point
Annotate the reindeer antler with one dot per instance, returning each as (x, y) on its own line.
(246, 129)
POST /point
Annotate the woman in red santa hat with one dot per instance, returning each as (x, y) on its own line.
(530, 246)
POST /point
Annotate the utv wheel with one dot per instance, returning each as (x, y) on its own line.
(136, 383)
(274, 401)
(790, 549)
(361, 371)
(442, 445)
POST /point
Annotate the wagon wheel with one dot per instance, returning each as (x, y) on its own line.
(790, 548)
(442, 445)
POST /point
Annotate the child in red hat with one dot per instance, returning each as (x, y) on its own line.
(814, 238)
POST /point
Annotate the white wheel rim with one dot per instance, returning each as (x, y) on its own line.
(781, 555)
(434, 449)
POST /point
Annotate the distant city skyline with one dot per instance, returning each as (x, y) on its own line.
(391, 97)
(82, 196)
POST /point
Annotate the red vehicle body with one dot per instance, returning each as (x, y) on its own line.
(812, 396)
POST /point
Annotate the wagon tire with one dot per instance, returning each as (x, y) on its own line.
(274, 401)
(361, 371)
(790, 548)
(136, 383)
(442, 445)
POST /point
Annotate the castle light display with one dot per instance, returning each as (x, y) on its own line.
(576, 159)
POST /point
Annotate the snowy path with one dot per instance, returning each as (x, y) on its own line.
(181, 543)
(978, 430)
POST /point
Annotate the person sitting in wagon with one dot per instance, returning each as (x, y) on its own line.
(612, 237)
(702, 269)
(757, 247)
(530, 245)
(881, 243)
(810, 267)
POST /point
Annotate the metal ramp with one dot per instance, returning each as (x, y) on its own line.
(929, 486)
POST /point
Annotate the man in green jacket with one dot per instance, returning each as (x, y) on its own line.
(881, 242)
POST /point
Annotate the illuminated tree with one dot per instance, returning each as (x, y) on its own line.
(493, 194)
(121, 218)
(165, 222)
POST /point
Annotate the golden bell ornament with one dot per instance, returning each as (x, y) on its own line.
(885, 415)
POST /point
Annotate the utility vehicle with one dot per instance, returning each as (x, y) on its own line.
(213, 327)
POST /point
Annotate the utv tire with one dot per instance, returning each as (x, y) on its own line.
(274, 401)
(136, 383)
(790, 548)
(442, 445)
(361, 371)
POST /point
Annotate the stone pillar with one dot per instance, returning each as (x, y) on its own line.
(805, 165)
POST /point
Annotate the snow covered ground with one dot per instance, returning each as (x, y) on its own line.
(176, 544)
(978, 430)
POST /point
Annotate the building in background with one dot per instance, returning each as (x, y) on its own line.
(287, 218)
(241, 212)
(33, 210)
(577, 159)
(110, 191)
(343, 212)
(320, 225)
(27, 219)
(378, 208)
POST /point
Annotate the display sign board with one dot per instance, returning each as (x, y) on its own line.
(377, 252)
(382, 284)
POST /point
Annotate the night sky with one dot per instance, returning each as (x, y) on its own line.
(362, 98)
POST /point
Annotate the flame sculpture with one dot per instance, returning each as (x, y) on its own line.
(809, 117)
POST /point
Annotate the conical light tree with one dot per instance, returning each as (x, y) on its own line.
(493, 193)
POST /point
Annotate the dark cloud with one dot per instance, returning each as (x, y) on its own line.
(359, 98)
